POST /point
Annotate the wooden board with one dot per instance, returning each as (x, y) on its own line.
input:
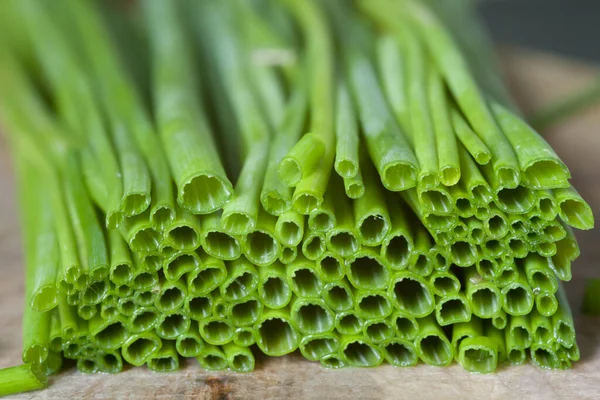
(536, 79)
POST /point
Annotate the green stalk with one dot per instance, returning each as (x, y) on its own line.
(469, 97)
(447, 151)
(463, 253)
(439, 258)
(348, 323)
(70, 324)
(275, 196)
(412, 294)
(75, 99)
(22, 378)
(55, 333)
(518, 296)
(212, 358)
(497, 338)
(303, 278)
(392, 69)
(366, 270)
(339, 296)
(46, 146)
(143, 319)
(542, 330)
(273, 288)
(500, 320)
(181, 263)
(539, 275)
(173, 325)
(275, 336)
(313, 246)
(432, 221)
(110, 362)
(216, 330)
(184, 232)
(144, 280)
(240, 213)
(519, 329)
(311, 316)
(202, 185)
(119, 102)
(354, 187)
(309, 192)
(541, 167)
(289, 228)
(562, 320)
(244, 312)
(433, 347)
(88, 231)
(341, 239)
(301, 160)
(164, 360)
(260, 246)
(334, 361)
(484, 297)
(42, 253)
(464, 330)
(108, 334)
(216, 242)
(444, 283)
(239, 359)
(331, 268)
(473, 180)
(36, 336)
(126, 110)
(379, 330)
(198, 307)
(108, 310)
(317, 346)
(387, 143)
(469, 139)
(141, 236)
(397, 247)
(544, 356)
(323, 219)
(420, 262)
(400, 353)
(371, 217)
(241, 280)
(54, 363)
(372, 304)
(126, 306)
(208, 277)
(478, 354)
(245, 337)
(567, 251)
(515, 354)
(463, 202)
(121, 266)
(171, 296)
(422, 128)
(347, 163)
(573, 209)
(359, 352)
(452, 309)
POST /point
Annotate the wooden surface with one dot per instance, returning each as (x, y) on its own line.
(535, 80)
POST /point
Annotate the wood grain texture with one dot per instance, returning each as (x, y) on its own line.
(535, 79)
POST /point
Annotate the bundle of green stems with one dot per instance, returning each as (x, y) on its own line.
(211, 179)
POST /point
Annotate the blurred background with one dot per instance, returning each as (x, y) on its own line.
(549, 50)
(568, 27)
